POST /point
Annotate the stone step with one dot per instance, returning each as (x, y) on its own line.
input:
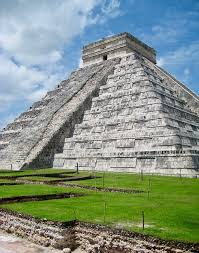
(48, 123)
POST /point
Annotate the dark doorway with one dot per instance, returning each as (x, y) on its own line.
(105, 57)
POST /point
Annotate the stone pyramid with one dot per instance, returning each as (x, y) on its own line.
(120, 112)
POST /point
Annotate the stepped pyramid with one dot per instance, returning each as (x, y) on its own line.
(120, 112)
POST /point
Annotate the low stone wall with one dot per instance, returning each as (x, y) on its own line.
(89, 237)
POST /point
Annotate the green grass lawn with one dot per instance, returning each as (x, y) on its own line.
(131, 181)
(119, 180)
(39, 178)
(171, 211)
(33, 172)
(6, 181)
(26, 190)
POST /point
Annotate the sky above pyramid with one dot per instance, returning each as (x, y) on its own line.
(41, 41)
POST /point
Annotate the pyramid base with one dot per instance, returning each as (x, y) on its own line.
(182, 163)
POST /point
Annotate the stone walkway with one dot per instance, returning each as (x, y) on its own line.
(12, 244)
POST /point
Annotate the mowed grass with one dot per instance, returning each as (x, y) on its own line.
(6, 181)
(33, 172)
(27, 190)
(114, 180)
(171, 209)
(39, 178)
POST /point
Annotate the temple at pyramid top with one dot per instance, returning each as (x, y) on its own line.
(116, 46)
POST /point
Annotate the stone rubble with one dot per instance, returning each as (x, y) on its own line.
(67, 250)
(13, 244)
(84, 237)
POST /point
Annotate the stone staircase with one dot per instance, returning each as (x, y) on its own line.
(40, 132)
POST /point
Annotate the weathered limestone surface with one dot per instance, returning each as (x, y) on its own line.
(35, 144)
(121, 112)
(142, 120)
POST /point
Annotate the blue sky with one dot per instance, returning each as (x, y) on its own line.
(41, 41)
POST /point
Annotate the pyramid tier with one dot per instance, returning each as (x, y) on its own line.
(137, 122)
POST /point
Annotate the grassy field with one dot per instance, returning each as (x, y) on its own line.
(33, 172)
(27, 190)
(5, 181)
(38, 178)
(171, 208)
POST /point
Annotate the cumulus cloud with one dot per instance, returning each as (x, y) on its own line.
(34, 35)
(111, 8)
(19, 82)
(36, 31)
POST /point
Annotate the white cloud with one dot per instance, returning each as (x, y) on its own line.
(33, 37)
(36, 31)
(16, 79)
(111, 8)
(21, 84)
